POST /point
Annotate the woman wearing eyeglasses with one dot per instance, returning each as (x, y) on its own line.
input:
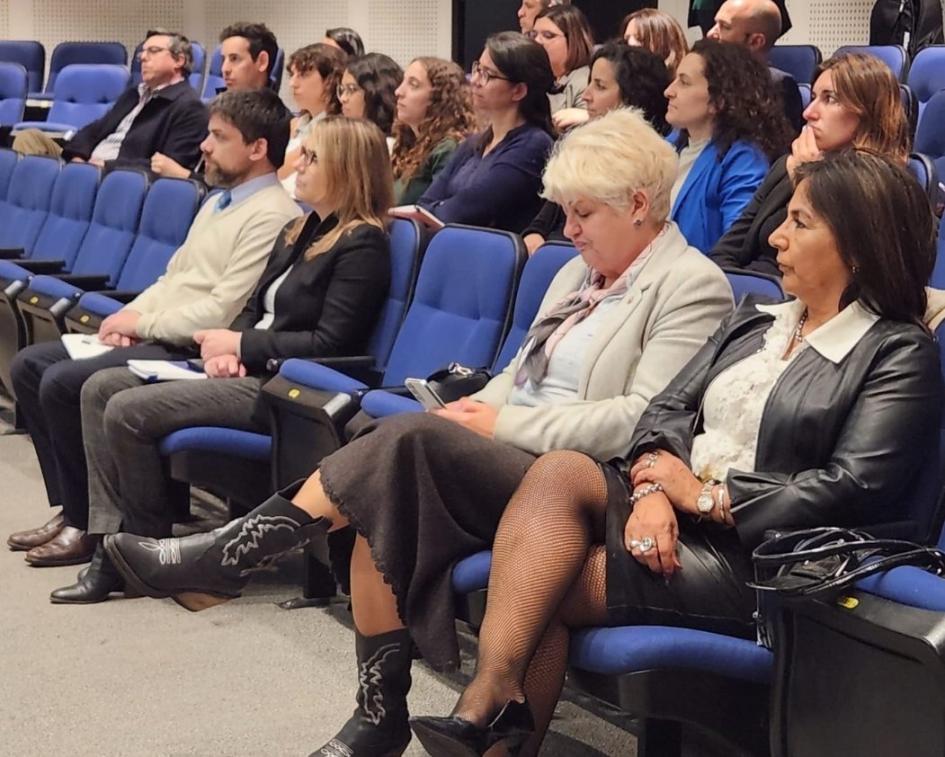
(367, 90)
(319, 296)
(494, 177)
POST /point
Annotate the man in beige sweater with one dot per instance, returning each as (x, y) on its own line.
(207, 282)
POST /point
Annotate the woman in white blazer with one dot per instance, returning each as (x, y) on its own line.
(423, 491)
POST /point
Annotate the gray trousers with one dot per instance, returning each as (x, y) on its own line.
(123, 422)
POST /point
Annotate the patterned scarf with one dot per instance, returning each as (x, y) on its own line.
(548, 331)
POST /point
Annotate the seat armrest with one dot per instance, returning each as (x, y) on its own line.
(11, 253)
(88, 283)
(43, 266)
(121, 296)
(316, 375)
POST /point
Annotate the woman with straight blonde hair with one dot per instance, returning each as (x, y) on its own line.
(319, 296)
(855, 103)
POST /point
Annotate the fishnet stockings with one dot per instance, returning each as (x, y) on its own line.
(543, 579)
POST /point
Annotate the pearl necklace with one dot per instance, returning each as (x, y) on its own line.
(798, 330)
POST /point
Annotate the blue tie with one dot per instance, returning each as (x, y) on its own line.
(225, 199)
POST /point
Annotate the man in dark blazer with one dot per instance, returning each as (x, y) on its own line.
(161, 114)
(756, 24)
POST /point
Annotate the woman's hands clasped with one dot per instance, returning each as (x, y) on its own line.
(679, 483)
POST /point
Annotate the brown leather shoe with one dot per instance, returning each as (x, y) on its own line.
(24, 540)
(70, 547)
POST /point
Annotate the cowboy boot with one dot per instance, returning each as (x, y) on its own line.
(203, 570)
(379, 726)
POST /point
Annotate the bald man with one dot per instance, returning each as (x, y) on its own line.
(756, 24)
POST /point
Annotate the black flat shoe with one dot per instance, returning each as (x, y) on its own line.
(456, 737)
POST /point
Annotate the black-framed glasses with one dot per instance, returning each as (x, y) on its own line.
(153, 50)
(485, 75)
(307, 156)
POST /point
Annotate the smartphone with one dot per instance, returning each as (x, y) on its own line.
(424, 393)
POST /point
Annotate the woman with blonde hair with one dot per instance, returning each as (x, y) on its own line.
(657, 32)
(434, 114)
(319, 296)
(856, 103)
(424, 490)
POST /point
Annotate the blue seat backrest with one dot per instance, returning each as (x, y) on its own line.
(461, 303)
(910, 105)
(930, 133)
(86, 92)
(8, 161)
(805, 91)
(13, 88)
(275, 71)
(31, 55)
(168, 212)
(24, 210)
(894, 56)
(938, 273)
(94, 53)
(407, 241)
(927, 74)
(114, 224)
(214, 78)
(538, 273)
(743, 283)
(200, 63)
(797, 60)
(70, 213)
(923, 168)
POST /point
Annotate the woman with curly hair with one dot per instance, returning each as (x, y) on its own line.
(367, 89)
(731, 126)
(314, 74)
(657, 32)
(856, 103)
(434, 114)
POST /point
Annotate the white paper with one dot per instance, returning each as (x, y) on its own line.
(83, 346)
(164, 370)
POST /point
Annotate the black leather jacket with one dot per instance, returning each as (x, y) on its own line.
(839, 444)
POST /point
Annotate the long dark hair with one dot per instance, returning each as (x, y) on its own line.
(749, 105)
(523, 61)
(883, 225)
(378, 75)
(642, 77)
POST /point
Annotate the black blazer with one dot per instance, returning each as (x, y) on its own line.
(745, 244)
(839, 444)
(174, 122)
(326, 306)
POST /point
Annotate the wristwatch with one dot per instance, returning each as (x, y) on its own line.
(705, 502)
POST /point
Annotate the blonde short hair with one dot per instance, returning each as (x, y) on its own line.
(610, 158)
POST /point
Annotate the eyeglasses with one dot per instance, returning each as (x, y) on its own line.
(545, 36)
(347, 90)
(307, 156)
(485, 75)
(153, 50)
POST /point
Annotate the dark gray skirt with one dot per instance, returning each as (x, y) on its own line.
(424, 493)
(709, 593)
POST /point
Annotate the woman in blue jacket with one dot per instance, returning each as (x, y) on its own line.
(731, 126)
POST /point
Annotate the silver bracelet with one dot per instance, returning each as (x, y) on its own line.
(644, 491)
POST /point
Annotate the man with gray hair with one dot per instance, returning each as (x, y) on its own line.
(756, 24)
(161, 114)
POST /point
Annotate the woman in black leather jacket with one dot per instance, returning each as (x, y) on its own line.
(817, 411)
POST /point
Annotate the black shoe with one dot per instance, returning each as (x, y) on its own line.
(94, 583)
(379, 726)
(203, 570)
(456, 737)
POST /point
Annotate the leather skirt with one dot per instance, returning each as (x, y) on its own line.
(709, 593)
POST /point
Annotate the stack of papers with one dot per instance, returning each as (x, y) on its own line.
(165, 370)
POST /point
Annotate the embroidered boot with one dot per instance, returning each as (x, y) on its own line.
(203, 570)
(379, 726)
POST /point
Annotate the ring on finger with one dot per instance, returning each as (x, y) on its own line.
(647, 543)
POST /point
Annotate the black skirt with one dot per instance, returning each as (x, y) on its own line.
(424, 493)
(709, 593)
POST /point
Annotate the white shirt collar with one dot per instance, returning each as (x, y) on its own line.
(835, 338)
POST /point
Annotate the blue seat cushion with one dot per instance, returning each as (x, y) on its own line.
(908, 586)
(318, 376)
(226, 441)
(472, 573)
(50, 286)
(99, 304)
(629, 649)
(49, 126)
(380, 404)
(10, 271)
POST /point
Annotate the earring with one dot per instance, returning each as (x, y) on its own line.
(855, 269)
(638, 222)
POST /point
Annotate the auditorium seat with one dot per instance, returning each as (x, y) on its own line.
(805, 91)
(799, 61)
(923, 168)
(214, 77)
(31, 55)
(745, 282)
(83, 93)
(910, 104)
(894, 56)
(938, 274)
(13, 85)
(930, 134)
(8, 161)
(85, 53)
(927, 74)
(24, 209)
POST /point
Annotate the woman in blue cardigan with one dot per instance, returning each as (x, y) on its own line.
(731, 126)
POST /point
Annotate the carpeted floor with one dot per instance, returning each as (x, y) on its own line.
(145, 677)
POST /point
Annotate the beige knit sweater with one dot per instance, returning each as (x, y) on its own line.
(212, 274)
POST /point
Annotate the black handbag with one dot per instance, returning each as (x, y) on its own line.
(457, 381)
(822, 562)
